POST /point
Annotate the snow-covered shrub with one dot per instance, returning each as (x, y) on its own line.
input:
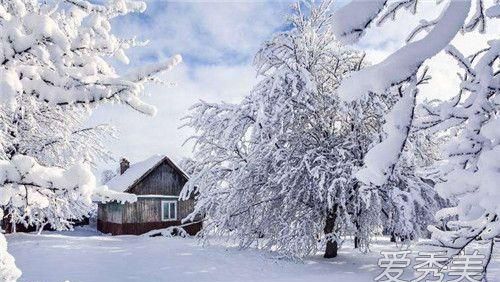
(172, 231)
(8, 270)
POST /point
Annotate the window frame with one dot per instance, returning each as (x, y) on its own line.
(168, 202)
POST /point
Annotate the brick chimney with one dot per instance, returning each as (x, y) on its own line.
(124, 165)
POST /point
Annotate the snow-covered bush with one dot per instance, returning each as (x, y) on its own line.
(172, 231)
(8, 270)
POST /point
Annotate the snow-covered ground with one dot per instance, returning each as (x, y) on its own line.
(85, 255)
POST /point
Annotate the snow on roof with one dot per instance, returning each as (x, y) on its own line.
(123, 181)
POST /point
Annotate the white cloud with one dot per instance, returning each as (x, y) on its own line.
(213, 32)
(141, 136)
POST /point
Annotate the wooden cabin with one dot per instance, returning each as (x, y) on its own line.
(157, 182)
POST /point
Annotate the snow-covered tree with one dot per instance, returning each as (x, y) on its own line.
(393, 170)
(29, 189)
(53, 135)
(58, 52)
(410, 197)
(57, 55)
(107, 175)
(472, 158)
(279, 165)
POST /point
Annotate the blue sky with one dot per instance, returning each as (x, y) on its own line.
(217, 41)
(203, 32)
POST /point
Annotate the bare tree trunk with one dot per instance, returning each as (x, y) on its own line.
(357, 239)
(331, 245)
(393, 238)
(356, 242)
(6, 226)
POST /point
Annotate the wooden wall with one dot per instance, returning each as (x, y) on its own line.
(144, 210)
(164, 180)
(142, 216)
(110, 212)
(149, 210)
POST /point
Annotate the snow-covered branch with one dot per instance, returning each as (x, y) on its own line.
(350, 21)
(60, 55)
(405, 62)
(382, 158)
(392, 9)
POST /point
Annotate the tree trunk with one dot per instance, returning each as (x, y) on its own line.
(331, 246)
(5, 222)
(357, 212)
(393, 238)
(356, 242)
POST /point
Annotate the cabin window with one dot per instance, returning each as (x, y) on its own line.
(168, 210)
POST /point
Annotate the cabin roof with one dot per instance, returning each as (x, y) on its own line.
(138, 171)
